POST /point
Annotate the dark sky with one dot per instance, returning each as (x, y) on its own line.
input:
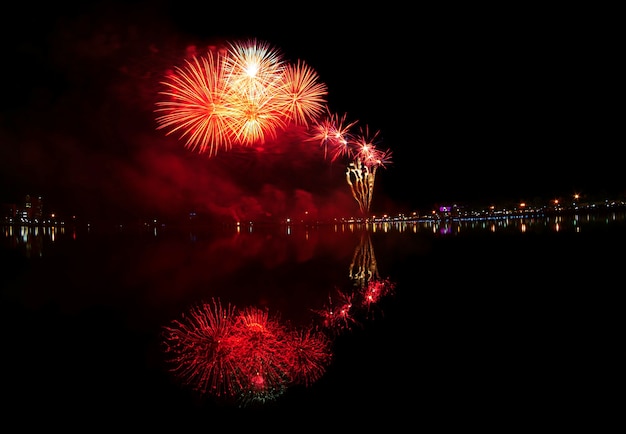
(477, 106)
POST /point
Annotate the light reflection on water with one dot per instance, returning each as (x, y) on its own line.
(293, 290)
(32, 239)
(451, 226)
(466, 300)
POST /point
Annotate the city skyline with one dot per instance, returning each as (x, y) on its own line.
(32, 211)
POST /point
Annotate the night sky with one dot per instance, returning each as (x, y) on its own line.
(477, 106)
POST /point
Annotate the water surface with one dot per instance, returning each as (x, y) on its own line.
(482, 318)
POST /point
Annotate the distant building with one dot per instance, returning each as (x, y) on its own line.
(449, 211)
(33, 209)
(29, 212)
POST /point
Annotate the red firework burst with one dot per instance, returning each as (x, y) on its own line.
(301, 96)
(242, 95)
(311, 355)
(202, 349)
(197, 104)
(375, 290)
(248, 355)
(263, 355)
(337, 316)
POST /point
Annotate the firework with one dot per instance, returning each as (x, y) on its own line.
(301, 96)
(311, 355)
(202, 348)
(337, 316)
(364, 158)
(333, 131)
(363, 271)
(375, 290)
(254, 68)
(361, 172)
(197, 105)
(248, 355)
(263, 356)
(239, 96)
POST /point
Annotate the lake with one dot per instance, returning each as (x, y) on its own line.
(455, 323)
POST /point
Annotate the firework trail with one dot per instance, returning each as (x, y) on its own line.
(363, 271)
(241, 95)
(364, 158)
(364, 267)
(342, 311)
(361, 171)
